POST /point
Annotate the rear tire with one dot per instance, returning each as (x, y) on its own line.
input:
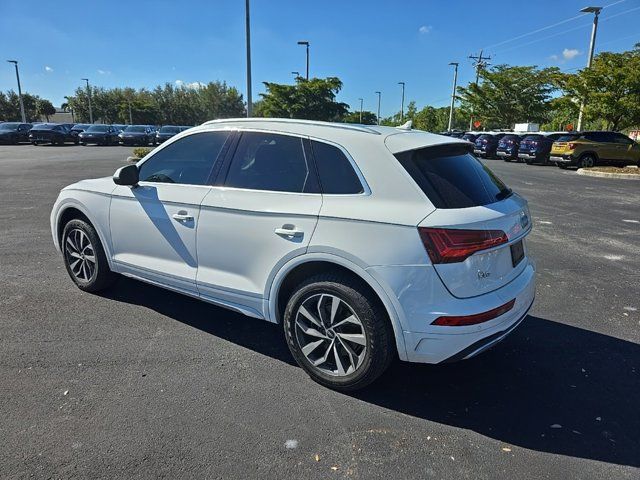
(562, 166)
(587, 161)
(84, 257)
(341, 354)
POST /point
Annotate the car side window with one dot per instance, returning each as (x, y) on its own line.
(623, 139)
(337, 175)
(274, 162)
(189, 160)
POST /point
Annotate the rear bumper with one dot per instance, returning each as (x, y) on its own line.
(506, 154)
(420, 297)
(566, 159)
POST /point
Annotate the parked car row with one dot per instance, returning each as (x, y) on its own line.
(86, 134)
(564, 149)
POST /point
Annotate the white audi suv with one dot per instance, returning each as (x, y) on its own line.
(365, 243)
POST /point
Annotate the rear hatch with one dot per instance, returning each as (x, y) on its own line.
(561, 145)
(475, 236)
(529, 144)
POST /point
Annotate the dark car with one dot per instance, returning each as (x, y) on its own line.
(470, 137)
(77, 129)
(168, 131)
(53, 133)
(535, 148)
(99, 135)
(486, 144)
(508, 146)
(453, 133)
(138, 135)
(14, 132)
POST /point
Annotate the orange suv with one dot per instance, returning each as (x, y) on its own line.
(587, 149)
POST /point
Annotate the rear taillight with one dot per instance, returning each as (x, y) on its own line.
(485, 141)
(463, 320)
(452, 245)
(572, 146)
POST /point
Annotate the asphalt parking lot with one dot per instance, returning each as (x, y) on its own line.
(140, 382)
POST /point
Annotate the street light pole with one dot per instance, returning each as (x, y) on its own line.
(453, 92)
(402, 104)
(592, 44)
(379, 96)
(24, 118)
(89, 96)
(248, 32)
(306, 44)
(296, 74)
(361, 100)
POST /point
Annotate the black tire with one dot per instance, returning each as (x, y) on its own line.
(587, 161)
(34, 143)
(84, 144)
(101, 276)
(376, 327)
(562, 166)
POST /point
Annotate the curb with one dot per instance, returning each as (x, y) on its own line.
(621, 176)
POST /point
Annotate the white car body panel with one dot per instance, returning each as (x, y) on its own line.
(231, 255)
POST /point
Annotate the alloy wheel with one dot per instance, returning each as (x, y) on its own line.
(330, 335)
(80, 255)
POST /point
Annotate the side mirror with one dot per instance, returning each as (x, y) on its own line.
(127, 175)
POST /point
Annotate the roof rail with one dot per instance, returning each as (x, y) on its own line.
(345, 126)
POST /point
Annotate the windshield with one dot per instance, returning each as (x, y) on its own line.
(44, 126)
(533, 137)
(135, 128)
(511, 137)
(452, 178)
(170, 130)
(97, 128)
(80, 126)
(567, 138)
(9, 126)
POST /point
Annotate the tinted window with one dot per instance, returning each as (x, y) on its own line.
(555, 136)
(514, 138)
(619, 138)
(335, 170)
(567, 138)
(97, 128)
(9, 126)
(533, 137)
(136, 128)
(189, 160)
(598, 136)
(452, 178)
(169, 130)
(266, 161)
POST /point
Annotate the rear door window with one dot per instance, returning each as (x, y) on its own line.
(337, 175)
(451, 177)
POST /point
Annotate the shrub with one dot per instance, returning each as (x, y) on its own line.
(141, 152)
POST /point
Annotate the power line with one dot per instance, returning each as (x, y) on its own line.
(518, 37)
(635, 35)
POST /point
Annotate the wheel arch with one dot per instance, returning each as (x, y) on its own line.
(300, 267)
(72, 209)
(589, 152)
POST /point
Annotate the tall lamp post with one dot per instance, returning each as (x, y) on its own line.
(594, 30)
(24, 118)
(379, 96)
(306, 44)
(89, 96)
(402, 104)
(453, 92)
(295, 74)
(361, 100)
(248, 33)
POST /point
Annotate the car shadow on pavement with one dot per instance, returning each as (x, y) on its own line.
(548, 387)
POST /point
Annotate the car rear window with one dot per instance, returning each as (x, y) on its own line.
(511, 137)
(568, 138)
(533, 137)
(452, 177)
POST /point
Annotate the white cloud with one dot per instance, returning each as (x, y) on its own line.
(424, 29)
(179, 82)
(570, 53)
(104, 72)
(191, 85)
(47, 68)
(554, 57)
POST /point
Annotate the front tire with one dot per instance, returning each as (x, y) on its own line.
(84, 257)
(338, 332)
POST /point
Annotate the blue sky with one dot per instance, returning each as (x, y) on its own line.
(370, 45)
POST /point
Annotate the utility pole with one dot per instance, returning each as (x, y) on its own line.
(306, 44)
(379, 97)
(361, 100)
(248, 33)
(453, 92)
(479, 62)
(89, 96)
(402, 104)
(592, 44)
(24, 118)
(130, 116)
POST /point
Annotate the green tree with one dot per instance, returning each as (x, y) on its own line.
(313, 99)
(509, 95)
(44, 108)
(611, 88)
(368, 118)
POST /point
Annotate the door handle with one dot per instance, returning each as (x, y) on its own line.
(182, 216)
(289, 231)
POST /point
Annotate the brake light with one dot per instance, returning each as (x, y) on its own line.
(572, 146)
(484, 140)
(452, 245)
(463, 320)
